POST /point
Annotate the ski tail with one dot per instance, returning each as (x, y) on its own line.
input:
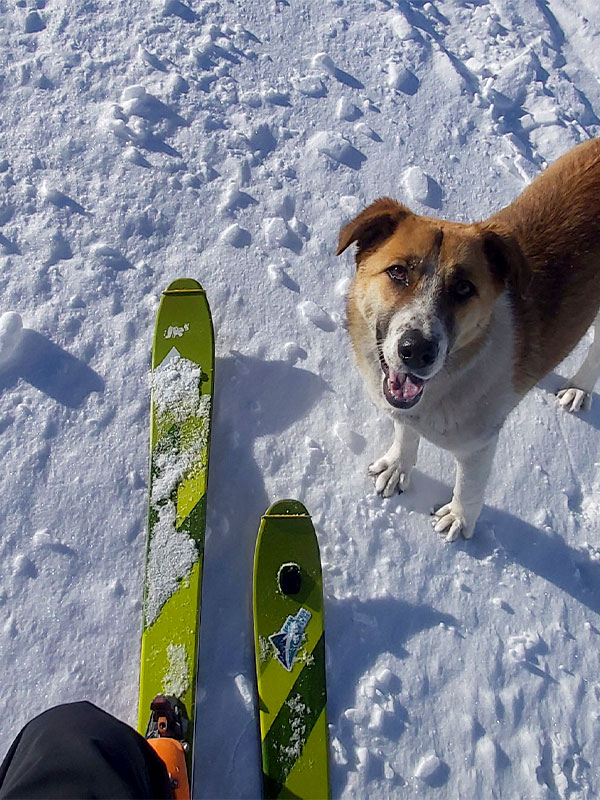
(165, 734)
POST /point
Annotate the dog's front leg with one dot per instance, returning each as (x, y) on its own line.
(460, 515)
(392, 471)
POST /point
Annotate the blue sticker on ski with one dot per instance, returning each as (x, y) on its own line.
(289, 639)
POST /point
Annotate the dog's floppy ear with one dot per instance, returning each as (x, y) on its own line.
(507, 261)
(372, 225)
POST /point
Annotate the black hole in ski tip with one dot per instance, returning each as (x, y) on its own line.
(289, 578)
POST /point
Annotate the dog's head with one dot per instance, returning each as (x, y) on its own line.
(424, 291)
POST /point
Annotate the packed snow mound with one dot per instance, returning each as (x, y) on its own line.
(11, 334)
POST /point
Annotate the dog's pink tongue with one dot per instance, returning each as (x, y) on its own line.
(403, 386)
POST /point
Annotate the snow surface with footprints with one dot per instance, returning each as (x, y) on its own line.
(228, 141)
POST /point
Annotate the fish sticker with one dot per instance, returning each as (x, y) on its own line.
(289, 639)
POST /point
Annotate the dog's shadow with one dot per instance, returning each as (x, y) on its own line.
(544, 553)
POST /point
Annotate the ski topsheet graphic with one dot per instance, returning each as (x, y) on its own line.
(289, 639)
(182, 386)
(290, 655)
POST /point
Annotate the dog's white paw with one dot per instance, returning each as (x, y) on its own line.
(452, 523)
(573, 399)
(389, 479)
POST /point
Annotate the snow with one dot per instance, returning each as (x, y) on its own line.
(313, 313)
(175, 385)
(229, 142)
(244, 687)
(177, 677)
(171, 557)
(416, 184)
(173, 553)
(427, 767)
(293, 749)
(11, 334)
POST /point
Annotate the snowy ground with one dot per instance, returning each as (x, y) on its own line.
(228, 141)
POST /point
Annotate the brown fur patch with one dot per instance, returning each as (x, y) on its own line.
(556, 222)
(372, 226)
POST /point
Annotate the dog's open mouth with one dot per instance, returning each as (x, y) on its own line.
(401, 389)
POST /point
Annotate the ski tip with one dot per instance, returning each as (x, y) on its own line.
(184, 285)
(286, 508)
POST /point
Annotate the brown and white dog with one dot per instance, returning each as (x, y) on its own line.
(452, 324)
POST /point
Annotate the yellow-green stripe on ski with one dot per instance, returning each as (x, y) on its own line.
(290, 656)
(182, 367)
(276, 686)
(305, 780)
(155, 670)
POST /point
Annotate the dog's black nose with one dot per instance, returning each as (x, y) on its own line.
(416, 351)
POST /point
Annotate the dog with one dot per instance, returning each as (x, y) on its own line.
(452, 324)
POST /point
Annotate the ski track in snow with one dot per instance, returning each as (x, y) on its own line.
(229, 142)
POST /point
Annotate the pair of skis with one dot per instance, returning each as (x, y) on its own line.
(288, 594)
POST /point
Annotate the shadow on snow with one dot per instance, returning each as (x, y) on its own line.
(52, 370)
(254, 398)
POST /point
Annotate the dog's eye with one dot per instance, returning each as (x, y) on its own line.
(463, 289)
(398, 274)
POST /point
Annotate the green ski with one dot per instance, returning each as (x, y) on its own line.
(182, 387)
(290, 655)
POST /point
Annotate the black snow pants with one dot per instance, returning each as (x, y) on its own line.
(78, 751)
